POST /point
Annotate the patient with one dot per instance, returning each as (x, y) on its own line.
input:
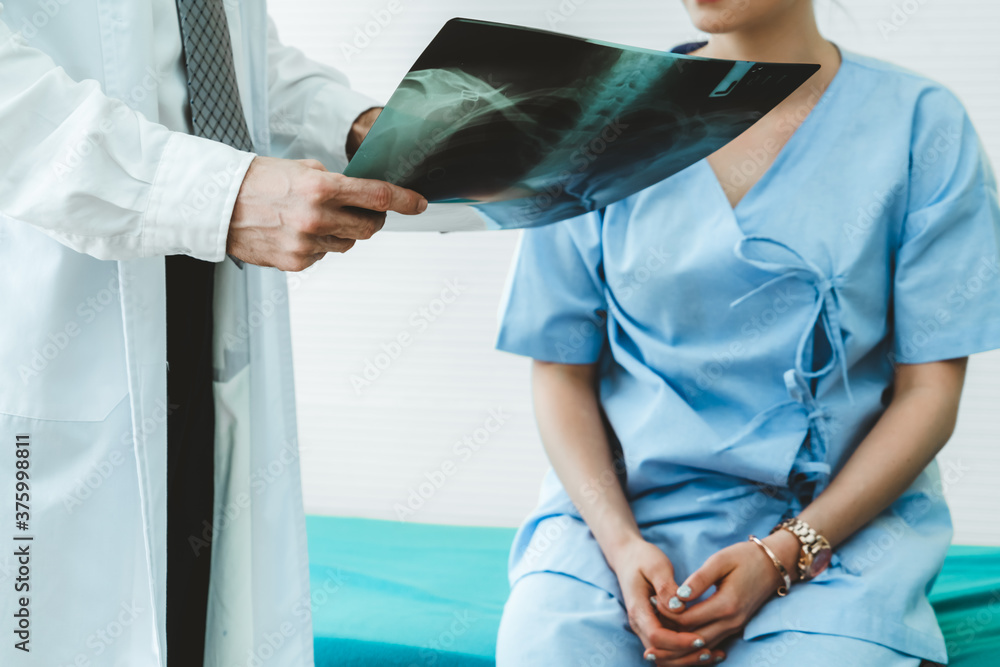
(743, 374)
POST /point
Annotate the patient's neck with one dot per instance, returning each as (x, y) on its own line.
(787, 36)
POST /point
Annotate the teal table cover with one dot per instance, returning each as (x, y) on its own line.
(966, 597)
(388, 594)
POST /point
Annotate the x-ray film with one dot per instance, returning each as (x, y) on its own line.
(505, 127)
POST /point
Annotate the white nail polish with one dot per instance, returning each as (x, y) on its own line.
(704, 657)
(650, 657)
(674, 604)
(698, 643)
(654, 601)
(684, 591)
(718, 659)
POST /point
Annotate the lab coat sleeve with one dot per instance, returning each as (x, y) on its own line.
(99, 177)
(312, 106)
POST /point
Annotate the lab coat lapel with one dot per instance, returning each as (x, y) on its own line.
(143, 302)
(281, 564)
(130, 75)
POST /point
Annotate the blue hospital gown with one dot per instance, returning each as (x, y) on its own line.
(744, 354)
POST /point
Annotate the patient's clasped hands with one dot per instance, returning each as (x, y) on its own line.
(677, 633)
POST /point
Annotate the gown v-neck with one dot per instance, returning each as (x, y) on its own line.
(806, 128)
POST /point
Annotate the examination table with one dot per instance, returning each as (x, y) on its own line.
(387, 594)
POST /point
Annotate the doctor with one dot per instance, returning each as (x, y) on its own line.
(149, 514)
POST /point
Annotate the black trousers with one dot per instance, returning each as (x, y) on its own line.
(190, 456)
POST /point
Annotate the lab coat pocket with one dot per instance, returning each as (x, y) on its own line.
(62, 346)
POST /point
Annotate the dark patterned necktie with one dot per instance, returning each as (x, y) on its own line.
(216, 112)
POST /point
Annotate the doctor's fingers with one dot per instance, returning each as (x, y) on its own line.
(340, 190)
(334, 244)
(300, 251)
(344, 223)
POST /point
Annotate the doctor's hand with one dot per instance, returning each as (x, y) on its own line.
(744, 578)
(290, 213)
(645, 572)
(360, 129)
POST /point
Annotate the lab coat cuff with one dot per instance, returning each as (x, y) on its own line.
(331, 116)
(192, 198)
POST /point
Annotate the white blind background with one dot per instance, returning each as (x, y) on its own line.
(420, 428)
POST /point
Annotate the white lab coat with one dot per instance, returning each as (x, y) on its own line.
(93, 194)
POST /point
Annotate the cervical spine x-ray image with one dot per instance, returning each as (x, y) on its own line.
(534, 127)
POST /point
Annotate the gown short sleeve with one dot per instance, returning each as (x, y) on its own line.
(554, 308)
(946, 292)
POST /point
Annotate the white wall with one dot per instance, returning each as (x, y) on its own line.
(364, 452)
